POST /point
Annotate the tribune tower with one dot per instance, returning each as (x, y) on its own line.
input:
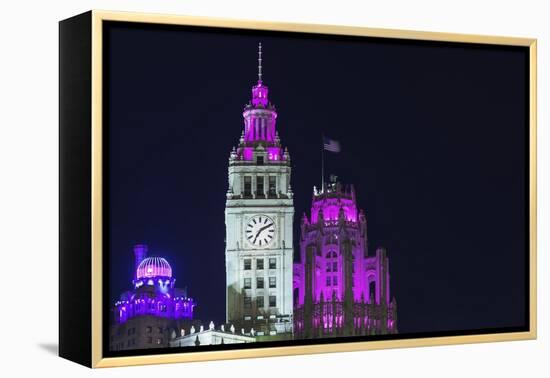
(259, 222)
(340, 289)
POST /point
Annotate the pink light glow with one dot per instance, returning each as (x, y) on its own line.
(154, 267)
(331, 209)
(259, 95)
(274, 153)
(259, 116)
(338, 284)
(259, 124)
(247, 153)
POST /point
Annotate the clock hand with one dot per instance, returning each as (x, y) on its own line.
(260, 231)
(264, 227)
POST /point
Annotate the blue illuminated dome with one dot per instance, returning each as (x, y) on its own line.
(154, 267)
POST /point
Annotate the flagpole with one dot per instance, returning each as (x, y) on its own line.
(322, 163)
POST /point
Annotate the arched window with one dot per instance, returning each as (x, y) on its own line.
(371, 286)
(331, 260)
(372, 291)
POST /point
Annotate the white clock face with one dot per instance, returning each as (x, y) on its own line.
(260, 230)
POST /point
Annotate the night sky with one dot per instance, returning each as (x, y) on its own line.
(433, 137)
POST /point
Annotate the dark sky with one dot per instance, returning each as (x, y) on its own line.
(433, 137)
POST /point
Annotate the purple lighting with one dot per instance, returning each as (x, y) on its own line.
(247, 153)
(338, 288)
(259, 95)
(259, 91)
(140, 252)
(331, 208)
(260, 138)
(259, 122)
(154, 292)
(154, 267)
(259, 115)
(274, 153)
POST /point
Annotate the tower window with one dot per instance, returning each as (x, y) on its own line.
(272, 263)
(260, 301)
(260, 160)
(247, 302)
(247, 185)
(372, 291)
(247, 283)
(260, 186)
(272, 282)
(247, 264)
(272, 301)
(260, 264)
(272, 186)
(332, 261)
(259, 283)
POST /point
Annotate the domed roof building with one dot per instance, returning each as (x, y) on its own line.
(144, 316)
(154, 267)
(154, 291)
(156, 314)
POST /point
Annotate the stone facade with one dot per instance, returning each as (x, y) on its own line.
(259, 223)
(339, 289)
(211, 336)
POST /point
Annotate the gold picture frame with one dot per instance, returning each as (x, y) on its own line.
(95, 262)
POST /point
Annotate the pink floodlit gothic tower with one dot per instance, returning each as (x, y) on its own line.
(339, 289)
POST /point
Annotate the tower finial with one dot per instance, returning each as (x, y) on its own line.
(259, 62)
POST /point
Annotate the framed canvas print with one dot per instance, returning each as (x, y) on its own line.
(235, 189)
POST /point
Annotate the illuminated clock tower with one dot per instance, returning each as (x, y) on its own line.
(259, 222)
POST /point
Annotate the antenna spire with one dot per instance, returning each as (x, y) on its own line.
(259, 62)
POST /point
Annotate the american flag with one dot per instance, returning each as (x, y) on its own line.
(331, 145)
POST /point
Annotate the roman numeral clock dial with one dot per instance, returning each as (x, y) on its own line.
(260, 230)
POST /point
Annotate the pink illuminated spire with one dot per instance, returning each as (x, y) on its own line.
(259, 91)
(260, 118)
(259, 63)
